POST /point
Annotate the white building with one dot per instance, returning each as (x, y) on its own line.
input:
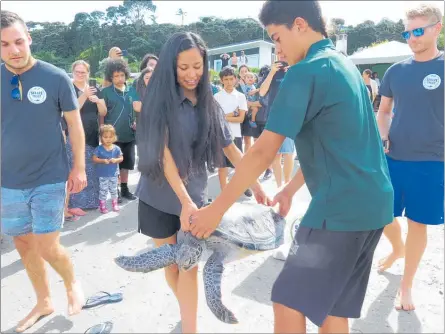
(258, 52)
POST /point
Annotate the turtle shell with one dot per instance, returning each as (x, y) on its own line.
(252, 226)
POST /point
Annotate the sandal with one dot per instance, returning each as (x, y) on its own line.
(72, 218)
(77, 212)
(103, 298)
(102, 328)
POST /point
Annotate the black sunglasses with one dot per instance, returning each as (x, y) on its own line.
(418, 32)
(16, 93)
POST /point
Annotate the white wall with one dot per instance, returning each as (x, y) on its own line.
(265, 55)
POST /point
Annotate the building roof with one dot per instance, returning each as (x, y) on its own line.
(239, 46)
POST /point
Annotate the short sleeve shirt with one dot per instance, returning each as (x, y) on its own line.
(229, 102)
(323, 104)
(417, 128)
(107, 170)
(120, 111)
(33, 149)
(159, 194)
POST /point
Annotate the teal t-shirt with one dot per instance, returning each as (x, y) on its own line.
(120, 111)
(324, 105)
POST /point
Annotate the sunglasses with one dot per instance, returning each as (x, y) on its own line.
(418, 32)
(16, 94)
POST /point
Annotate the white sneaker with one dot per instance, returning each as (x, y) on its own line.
(282, 252)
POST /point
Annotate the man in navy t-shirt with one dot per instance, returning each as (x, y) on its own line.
(415, 142)
(34, 163)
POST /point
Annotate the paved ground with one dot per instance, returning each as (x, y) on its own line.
(149, 306)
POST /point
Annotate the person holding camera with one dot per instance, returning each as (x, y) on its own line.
(91, 105)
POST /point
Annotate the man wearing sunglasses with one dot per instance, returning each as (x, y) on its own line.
(34, 166)
(414, 142)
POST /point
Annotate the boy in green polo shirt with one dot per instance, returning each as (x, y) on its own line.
(122, 102)
(323, 104)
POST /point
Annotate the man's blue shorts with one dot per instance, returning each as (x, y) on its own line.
(37, 210)
(418, 190)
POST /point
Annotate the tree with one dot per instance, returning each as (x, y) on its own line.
(139, 10)
(181, 13)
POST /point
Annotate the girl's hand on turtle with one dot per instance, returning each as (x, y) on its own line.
(260, 195)
(205, 221)
(188, 208)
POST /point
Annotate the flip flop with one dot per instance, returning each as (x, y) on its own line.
(77, 212)
(72, 218)
(104, 298)
(102, 328)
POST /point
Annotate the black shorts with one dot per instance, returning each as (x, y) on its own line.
(248, 131)
(156, 224)
(239, 143)
(129, 153)
(326, 273)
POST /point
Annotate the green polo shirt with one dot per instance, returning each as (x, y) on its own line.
(120, 111)
(323, 104)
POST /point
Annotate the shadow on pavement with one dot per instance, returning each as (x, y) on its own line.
(99, 232)
(376, 319)
(258, 285)
(58, 324)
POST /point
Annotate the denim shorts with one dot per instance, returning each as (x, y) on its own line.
(37, 210)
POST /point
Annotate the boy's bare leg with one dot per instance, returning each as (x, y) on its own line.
(334, 325)
(288, 320)
(394, 234)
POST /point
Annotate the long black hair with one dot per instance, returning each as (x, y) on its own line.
(141, 88)
(159, 119)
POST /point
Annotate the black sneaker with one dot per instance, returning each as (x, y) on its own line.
(128, 195)
(119, 196)
(248, 193)
(267, 174)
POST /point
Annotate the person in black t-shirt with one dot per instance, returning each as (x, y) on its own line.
(224, 59)
(91, 106)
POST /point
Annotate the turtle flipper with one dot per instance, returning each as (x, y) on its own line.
(154, 259)
(212, 275)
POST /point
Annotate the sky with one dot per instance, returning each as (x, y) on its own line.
(353, 12)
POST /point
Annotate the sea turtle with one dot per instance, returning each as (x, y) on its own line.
(245, 226)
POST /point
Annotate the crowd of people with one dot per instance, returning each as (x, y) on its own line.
(362, 173)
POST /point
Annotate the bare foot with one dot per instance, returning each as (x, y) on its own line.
(389, 260)
(404, 301)
(38, 312)
(76, 299)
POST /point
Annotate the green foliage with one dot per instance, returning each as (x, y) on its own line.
(132, 26)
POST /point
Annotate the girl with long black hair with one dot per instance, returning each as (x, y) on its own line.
(181, 134)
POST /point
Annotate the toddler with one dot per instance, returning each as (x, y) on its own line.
(252, 96)
(107, 158)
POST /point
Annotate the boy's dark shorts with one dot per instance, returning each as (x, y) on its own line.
(129, 153)
(326, 273)
(239, 143)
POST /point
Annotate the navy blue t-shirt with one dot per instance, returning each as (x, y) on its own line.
(107, 170)
(417, 129)
(33, 148)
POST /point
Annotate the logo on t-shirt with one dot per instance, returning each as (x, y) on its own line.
(37, 95)
(431, 81)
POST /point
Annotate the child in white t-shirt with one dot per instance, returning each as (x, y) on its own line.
(234, 105)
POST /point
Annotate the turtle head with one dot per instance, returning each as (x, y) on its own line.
(190, 252)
